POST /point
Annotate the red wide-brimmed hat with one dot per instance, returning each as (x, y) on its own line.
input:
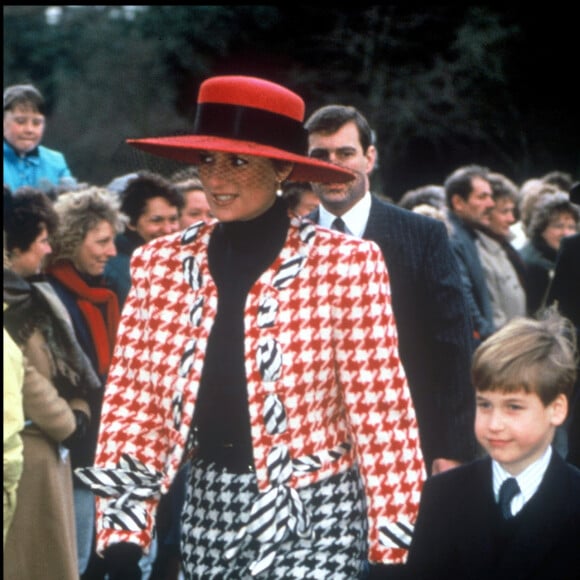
(249, 116)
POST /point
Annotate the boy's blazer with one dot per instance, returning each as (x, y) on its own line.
(458, 531)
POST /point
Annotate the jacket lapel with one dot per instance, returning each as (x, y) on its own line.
(541, 524)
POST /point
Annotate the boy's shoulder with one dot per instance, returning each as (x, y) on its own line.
(567, 474)
(50, 155)
(463, 479)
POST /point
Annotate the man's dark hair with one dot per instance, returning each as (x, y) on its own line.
(331, 118)
(460, 181)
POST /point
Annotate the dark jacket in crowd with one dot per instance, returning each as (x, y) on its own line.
(433, 326)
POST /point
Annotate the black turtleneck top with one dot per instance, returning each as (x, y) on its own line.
(238, 253)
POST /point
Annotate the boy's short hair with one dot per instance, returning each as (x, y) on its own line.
(27, 95)
(536, 355)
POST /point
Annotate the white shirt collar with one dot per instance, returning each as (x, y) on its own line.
(528, 480)
(355, 218)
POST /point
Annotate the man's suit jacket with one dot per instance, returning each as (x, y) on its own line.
(565, 290)
(565, 287)
(459, 530)
(433, 326)
(472, 277)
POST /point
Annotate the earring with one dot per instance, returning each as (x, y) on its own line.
(279, 191)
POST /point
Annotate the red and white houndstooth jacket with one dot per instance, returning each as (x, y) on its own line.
(326, 387)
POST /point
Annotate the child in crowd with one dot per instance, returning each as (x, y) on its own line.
(468, 526)
(26, 162)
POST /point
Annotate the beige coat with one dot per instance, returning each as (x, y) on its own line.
(13, 425)
(41, 542)
(508, 297)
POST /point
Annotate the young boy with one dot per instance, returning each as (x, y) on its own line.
(523, 376)
(26, 162)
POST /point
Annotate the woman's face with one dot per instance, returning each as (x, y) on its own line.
(196, 208)
(29, 262)
(239, 187)
(501, 217)
(96, 249)
(159, 218)
(560, 226)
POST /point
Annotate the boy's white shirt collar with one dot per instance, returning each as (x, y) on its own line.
(528, 480)
(355, 218)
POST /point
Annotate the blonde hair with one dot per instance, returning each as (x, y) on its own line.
(536, 355)
(435, 213)
(529, 195)
(79, 212)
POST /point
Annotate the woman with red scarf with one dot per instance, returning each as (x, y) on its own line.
(56, 383)
(89, 219)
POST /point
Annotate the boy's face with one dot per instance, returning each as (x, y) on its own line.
(23, 128)
(516, 428)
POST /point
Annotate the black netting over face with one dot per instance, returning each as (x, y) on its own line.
(237, 186)
(240, 187)
(127, 159)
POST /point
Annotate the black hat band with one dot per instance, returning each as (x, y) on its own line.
(250, 124)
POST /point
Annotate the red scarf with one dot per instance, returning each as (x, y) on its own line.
(103, 332)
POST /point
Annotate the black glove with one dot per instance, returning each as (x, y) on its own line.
(82, 421)
(80, 431)
(122, 561)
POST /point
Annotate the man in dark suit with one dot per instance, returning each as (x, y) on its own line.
(470, 200)
(564, 292)
(428, 302)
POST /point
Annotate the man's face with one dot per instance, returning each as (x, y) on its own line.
(342, 148)
(476, 208)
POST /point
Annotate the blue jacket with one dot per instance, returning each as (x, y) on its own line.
(42, 168)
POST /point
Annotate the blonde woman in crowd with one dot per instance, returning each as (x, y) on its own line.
(83, 243)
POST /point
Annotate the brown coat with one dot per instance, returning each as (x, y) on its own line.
(41, 542)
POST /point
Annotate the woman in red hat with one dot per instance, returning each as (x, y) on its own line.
(262, 349)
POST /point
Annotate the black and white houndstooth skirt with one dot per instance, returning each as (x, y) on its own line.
(229, 531)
